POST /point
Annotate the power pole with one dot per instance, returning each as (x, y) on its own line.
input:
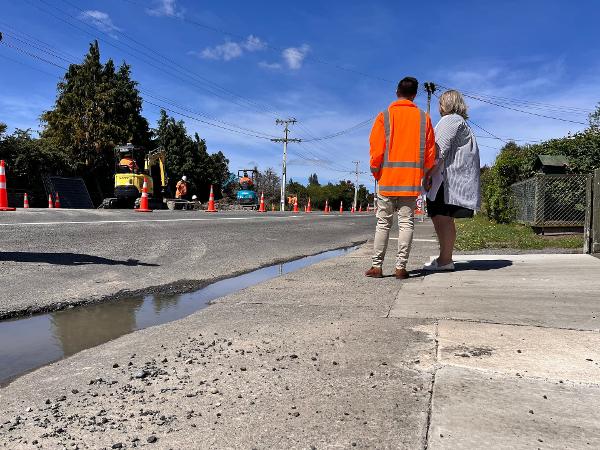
(430, 88)
(285, 141)
(356, 184)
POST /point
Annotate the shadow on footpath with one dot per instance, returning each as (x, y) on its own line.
(481, 265)
(460, 266)
(68, 259)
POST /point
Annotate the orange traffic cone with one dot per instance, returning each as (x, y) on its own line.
(144, 200)
(308, 208)
(3, 193)
(341, 207)
(211, 201)
(50, 203)
(25, 201)
(326, 206)
(57, 201)
(296, 205)
(262, 203)
(360, 208)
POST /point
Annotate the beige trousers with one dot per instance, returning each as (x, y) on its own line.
(386, 207)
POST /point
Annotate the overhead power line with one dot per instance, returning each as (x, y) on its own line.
(490, 98)
(341, 132)
(526, 103)
(517, 109)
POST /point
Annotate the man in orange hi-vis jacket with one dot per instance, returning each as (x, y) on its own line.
(402, 154)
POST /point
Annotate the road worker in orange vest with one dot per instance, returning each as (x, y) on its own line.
(181, 188)
(402, 156)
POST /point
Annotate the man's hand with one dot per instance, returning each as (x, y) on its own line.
(427, 182)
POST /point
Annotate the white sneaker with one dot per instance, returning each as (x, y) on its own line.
(434, 267)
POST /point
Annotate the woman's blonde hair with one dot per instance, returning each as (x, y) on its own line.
(452, 102)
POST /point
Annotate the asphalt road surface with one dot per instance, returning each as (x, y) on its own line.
(51, 259)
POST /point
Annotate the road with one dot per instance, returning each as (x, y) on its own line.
(52, 259)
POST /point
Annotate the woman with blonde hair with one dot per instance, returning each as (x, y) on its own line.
(453, 186)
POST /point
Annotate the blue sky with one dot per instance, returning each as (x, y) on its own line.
(331, 65)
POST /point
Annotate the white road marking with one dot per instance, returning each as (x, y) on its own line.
(101, 222)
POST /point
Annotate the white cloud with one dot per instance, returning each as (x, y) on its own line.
(232, 50)
(294, 56)
(166, 8)
(254, 44)
(226, 51)
(100, 20)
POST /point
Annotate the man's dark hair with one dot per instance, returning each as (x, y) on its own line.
(407, 87)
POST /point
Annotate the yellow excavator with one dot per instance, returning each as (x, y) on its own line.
(129, 178)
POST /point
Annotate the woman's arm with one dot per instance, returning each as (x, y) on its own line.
(445, 134)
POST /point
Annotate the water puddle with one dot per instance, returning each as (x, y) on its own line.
(31, 342)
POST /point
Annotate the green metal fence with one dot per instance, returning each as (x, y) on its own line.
(551, 200)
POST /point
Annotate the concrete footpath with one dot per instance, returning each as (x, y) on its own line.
(502, 353)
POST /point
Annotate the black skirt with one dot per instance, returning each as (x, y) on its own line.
(438, 207)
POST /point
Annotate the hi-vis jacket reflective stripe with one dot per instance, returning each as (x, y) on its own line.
(402, 147)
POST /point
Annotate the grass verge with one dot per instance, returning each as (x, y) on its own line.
(479, 233)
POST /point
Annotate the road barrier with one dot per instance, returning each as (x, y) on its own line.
(144, 200)
(3, 192)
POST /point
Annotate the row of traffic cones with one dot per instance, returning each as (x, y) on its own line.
(144, 204)
(52, 203)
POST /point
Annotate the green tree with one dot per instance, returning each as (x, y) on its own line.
(313, 179)
(96, 108)
(269, 183)
(28, 159)
(595, 119)
(298, 190)
(510, 165)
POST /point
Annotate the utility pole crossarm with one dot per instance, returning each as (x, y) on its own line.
(286, 140)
